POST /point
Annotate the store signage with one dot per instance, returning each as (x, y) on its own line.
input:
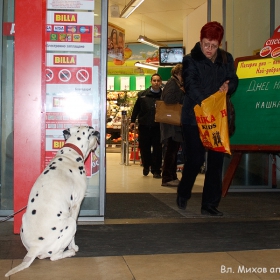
(63, 17)
(272, 45)
(70, 31)
(65, 59)
(72, 97)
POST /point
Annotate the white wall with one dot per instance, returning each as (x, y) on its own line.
(247, 25)
(192, 26)
(217, 11)
(277, 14)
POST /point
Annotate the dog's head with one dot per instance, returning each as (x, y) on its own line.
(84, 137)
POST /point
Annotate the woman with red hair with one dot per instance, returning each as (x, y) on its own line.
(206, 70)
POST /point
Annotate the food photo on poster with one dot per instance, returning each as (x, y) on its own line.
(272, 45)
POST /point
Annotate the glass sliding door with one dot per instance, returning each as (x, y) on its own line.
(7, 108)
(76, 61)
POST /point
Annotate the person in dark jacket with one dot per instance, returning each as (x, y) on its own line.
(206, 70)
(149, 130)
(173, 92)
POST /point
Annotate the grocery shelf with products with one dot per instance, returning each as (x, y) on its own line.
(122, 93)
(117, 102)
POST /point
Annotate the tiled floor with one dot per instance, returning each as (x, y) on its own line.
(261, 264)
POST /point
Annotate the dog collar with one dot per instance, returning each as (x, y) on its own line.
(75, 148)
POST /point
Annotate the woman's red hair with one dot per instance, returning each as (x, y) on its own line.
(212, 31)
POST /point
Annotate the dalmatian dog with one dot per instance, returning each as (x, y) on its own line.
(49, 223)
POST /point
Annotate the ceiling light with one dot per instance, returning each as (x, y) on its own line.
(130, 7)
(150, 42)
(146, 65)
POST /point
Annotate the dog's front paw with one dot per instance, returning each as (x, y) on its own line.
(74, 247)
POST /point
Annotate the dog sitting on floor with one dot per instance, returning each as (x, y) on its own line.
(49, 223)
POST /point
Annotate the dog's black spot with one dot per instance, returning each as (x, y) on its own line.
(84, 133)
(78, 138)
(61, 230)
(62, 152)
(54, 228)
(50, 252)
(58, 237)
(33, 212)
(79, 159)
(22, 230)
(58, 215)
(70, 170)
(37, 194)
(71, 197)
(81, 169)
(53, 168)
(41, 238)
(60, 159)
(46, 171)
(32, 200)
(66, 227)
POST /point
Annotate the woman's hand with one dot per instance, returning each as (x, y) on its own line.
(224, 87)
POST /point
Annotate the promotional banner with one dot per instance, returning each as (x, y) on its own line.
(116, 42)
(272, 45)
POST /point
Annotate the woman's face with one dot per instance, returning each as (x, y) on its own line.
(114, 39)
(209, 48)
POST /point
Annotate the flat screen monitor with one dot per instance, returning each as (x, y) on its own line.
(169, 56)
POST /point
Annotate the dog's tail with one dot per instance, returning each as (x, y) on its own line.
(32, 253)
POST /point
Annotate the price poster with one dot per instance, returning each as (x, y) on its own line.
(125, 83)
(140, 83)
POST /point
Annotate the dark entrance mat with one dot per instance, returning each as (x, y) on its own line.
(261, 205)
(251, 221)
(139, 239)
(137, 206)
(163, 238)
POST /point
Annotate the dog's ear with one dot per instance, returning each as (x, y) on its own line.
(66, 133)
(97, 134)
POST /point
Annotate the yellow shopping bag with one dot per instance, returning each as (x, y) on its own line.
(212, 121)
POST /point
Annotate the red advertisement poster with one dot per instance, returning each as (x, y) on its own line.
(55, 124)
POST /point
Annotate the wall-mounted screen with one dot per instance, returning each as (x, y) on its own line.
(171, 55)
